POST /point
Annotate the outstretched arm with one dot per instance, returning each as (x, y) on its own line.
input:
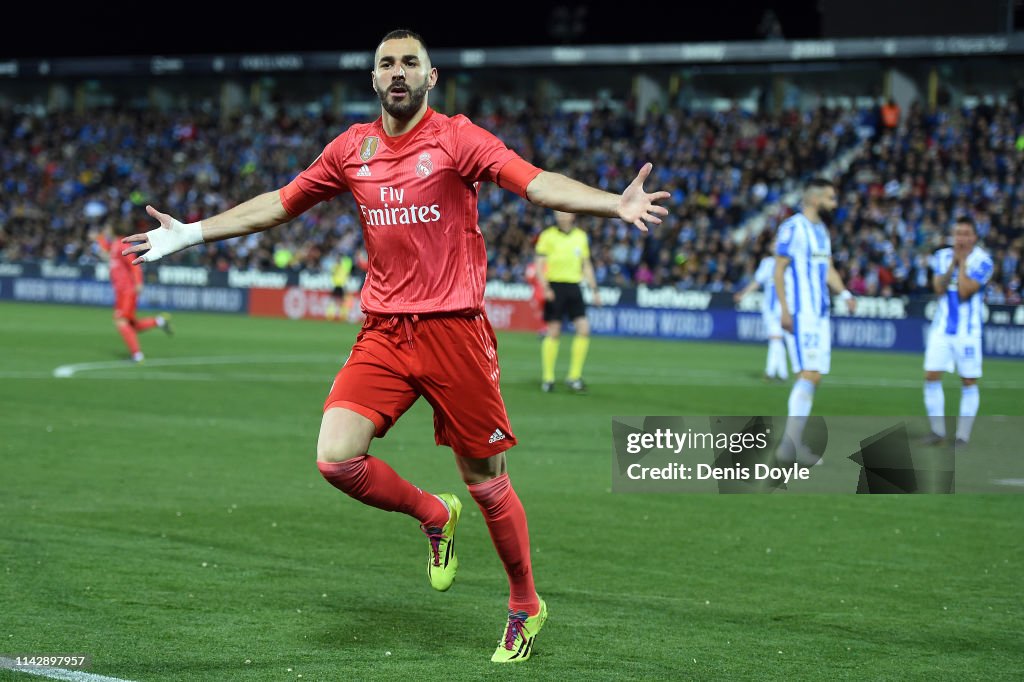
(591, 279)
(104, 251)
(835, 283)
(785, 317)
(751, 287)
(635, 206)
(540, 265)
(255, 215)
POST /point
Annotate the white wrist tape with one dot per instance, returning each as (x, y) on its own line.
(164, 241)
(845, 295)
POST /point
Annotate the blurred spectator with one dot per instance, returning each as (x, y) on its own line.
(65, 174)
(890, 115)
(770, 27)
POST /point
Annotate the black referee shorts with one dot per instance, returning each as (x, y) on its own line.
(568, 303)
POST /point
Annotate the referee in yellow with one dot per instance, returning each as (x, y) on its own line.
(341, 299)
(562, 262)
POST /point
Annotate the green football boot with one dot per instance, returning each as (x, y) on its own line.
(442, 563)
(520, 632)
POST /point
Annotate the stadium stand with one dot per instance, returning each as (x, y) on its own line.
(65, 174)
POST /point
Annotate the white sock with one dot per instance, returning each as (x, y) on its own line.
(160, 321)
(969, 400)
(935, 405)
(777, 349)
(801, 399)
(138, 357)
(769, 362)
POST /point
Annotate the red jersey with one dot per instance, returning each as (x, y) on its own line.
(123, 275)
(417, 198)
(530, 275)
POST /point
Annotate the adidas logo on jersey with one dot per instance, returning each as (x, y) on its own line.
(496, 436)
(364, 171)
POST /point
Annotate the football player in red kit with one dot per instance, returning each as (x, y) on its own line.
(127, 281)
(413, 175)
(538, 299)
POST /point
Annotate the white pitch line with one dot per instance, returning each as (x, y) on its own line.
(607, 374)
(57, 673)
(741, 382)
(67, 371)
(200, 377)
(1015, 482)
(711, 377)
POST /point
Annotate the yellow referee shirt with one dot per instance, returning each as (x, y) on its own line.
(565, 253)
(342, 269)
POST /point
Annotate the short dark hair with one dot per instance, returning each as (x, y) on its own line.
(820, 183)
(965, 220)
(400, 33)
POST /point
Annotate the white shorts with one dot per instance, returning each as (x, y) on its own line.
(772, 324)
(810, 344)
(951, 352)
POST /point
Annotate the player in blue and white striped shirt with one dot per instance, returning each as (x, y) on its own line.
(775, 365)
(959, 275)
(804, 274)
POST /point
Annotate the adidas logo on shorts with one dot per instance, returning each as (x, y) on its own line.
(364, 171)
(496, 436)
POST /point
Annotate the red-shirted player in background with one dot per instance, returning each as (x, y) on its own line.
(413, 175)
(127, 281)
(537, 302)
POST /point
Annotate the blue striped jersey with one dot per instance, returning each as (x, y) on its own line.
(809, 247)
(953, 316)
(765, 276)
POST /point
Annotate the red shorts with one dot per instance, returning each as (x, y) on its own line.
(451, 361)
(125, 302)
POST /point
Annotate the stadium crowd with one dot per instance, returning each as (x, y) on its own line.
(66, 175)
(907, 184)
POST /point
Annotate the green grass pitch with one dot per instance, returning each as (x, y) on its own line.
(169, 520)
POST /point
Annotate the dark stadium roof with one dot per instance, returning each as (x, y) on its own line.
(189, 27)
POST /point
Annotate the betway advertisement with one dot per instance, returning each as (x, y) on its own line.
(891, 324)
(296, 303)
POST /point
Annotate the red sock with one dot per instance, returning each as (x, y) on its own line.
(145, 323)
(373, 482)
(127, 333)
(506, 521)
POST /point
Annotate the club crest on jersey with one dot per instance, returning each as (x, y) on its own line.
(369, 147)
(424, 166)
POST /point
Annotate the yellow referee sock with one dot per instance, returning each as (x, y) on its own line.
(548, 355)
(580, 346)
